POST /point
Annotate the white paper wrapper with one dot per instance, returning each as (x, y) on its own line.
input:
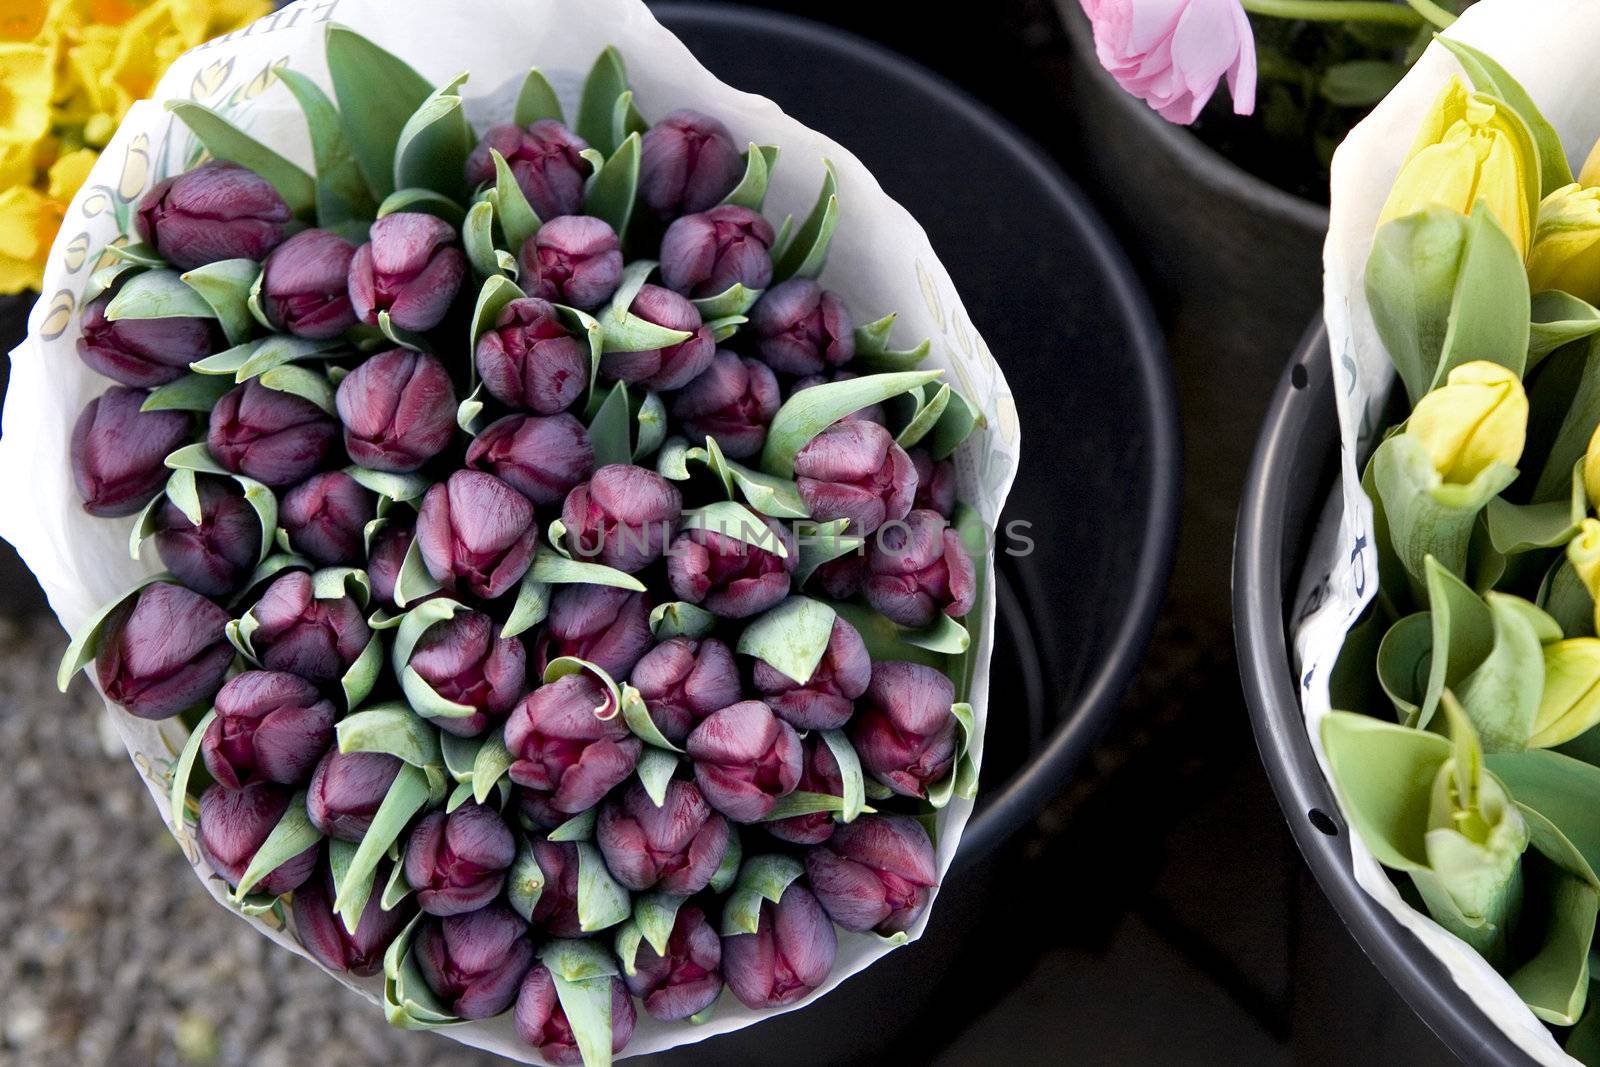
(880, 260)
(1547, 45)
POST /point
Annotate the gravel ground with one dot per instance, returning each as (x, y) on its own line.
(111, 953)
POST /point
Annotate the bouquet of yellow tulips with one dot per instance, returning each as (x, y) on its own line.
(69, 71)
(1455, 700)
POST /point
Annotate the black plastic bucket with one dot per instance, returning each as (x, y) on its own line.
(1291, 476)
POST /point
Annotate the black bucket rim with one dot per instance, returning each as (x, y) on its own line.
(1005, 811)
(1302, 415)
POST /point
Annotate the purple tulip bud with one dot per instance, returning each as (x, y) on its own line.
(688, 162)
(216, 557)
(219, 210)
(457, 862)
(542, 457)
(466, 662)
(326, 517)
(323, 933)
(674, 366)
(561, 745)
(918, 568)
(542, 1023)
(708, 253)
(305, 285)
(688, 979)
(731, 578)
(674, 848)
(936, 483)
(874, 873)
(270, 726)
(745, 758)
(529, 360)
(544, 159)
(854, 470)
(143, 352)
(800, 328)
(788, 956)
(556, 910)
(411, 268)
(117, 451)
(683, 680)
(235, 823)
(163, 652)
(574, 260)
(622, 516)
(820, 774)
(296, 632)
(384, 559)
(276, 438)
(398, 410)
(477, 532)
(827, 698)
(475, 962)
(346, 790)
(905, 732)
(842, 578)
(733, 401)
(870, 413)
(607, 626)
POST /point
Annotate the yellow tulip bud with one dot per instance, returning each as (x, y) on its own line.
(1471, 147)
(1478, 417)
(1590, 174)
(1566, 243)
(1591, 470)
(1571, 701)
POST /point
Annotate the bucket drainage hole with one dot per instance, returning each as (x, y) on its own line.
(1322, 821)
(1298, 378)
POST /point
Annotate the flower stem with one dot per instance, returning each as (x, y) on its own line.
(1348, 11)
(1432, 12)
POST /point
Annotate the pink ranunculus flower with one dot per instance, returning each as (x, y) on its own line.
(1172, 53)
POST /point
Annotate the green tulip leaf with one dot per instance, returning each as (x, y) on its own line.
(655, 770)
(807, 252)
(407, 795)
(536, 101)
(615, 186)
(1463, 627)
(1490, 309)
(524, 881)
(849, 763)
(1569, 389)
(1404, 657)
(954, 426)
(394, 729)
(626, 119)
(225, 287)
(518, 221)
(492, 761)
(1384, 774)
(727, 871)
(734, 520)
(1563, 790)
(611, 429)
(408, 1003)
(85, 644)
(1502, 694)
(929, 410)
(884, 639)
(225, 364)
(359, 679)
(281, 349)
(751, 192)
(377, 93)
(1554, 983)
(341, 192)
(607, 80)
(477, 237)
(733, 301)
(677, 618)
(602, 901)
(183, 770)
(158, 294)
(1558, 319)
(761, 878)
(791, 638)
(587, 1006)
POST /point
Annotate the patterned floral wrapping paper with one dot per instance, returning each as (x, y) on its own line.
(1547, 45)
(880, 258)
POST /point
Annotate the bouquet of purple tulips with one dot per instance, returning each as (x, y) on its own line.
(564, 591)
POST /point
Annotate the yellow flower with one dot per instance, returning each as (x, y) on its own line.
(1471, 147)
(28, 223)
(1590, 174)
(27, 77)
(1591, 470)
(1566, 243)
(69, 172)
(1478, 417)
(17, 164)
(1570, 704)
(1583, 552)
